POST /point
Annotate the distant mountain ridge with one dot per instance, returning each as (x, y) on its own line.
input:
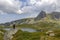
(55, 15)
(41, 15)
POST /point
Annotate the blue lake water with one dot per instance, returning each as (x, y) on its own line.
(23, 29)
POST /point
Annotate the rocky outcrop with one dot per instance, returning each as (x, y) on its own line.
(55, 15)
(41, 15)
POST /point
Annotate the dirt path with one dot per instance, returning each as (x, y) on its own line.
(9, 34)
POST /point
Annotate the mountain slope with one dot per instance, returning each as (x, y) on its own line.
(55, 15)
(42, 16)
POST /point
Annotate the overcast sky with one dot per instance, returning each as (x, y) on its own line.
(10, 8)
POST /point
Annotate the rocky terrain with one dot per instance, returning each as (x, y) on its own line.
(55, 15)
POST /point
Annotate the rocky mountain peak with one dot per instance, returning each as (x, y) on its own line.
(41, 15)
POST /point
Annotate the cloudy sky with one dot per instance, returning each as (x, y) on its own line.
(17, 9)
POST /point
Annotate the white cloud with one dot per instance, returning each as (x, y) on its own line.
(10, 6)
(38, 5)
(19, 12)
(34, 6)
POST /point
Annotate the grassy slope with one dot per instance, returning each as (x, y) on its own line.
(26, 36)
(44, 24)
(33, 36)
(2, 34)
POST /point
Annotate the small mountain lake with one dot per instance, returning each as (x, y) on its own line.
(23, 29)
(28, 29)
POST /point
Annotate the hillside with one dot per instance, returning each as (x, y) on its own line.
(43, 23)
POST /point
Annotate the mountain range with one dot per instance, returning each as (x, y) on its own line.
(40, 16)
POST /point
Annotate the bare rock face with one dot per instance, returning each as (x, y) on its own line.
(41, 15)
(55, 15)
